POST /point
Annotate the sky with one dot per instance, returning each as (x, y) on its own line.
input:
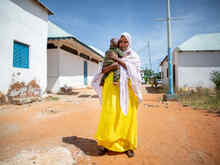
(95, 22)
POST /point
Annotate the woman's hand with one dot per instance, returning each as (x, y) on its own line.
(120, 62)
(114, 66)
(117, 60)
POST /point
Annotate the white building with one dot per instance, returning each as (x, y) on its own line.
(70, 62)
(193, 61)
(23, 43)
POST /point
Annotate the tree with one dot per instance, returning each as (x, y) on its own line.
(148, 73)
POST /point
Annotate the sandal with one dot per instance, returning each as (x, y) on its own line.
(102, 151)
(130, 153)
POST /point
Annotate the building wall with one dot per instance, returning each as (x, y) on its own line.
(71, 70)
(65, 68)
(194, 68)
(52, 69)
(92, 69)
(164, 70)
(26, 22)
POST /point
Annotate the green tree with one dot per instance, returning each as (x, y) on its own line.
(148, 73)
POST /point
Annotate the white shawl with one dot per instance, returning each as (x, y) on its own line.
(132, 62)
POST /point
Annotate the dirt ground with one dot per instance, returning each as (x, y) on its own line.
(168, 133)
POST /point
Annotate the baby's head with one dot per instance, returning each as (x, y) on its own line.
(114, 43)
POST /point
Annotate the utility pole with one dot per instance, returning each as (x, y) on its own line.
(170, 65)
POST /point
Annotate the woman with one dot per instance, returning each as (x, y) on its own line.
(117, 129)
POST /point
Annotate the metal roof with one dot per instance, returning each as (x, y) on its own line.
(202, 42)
(57, 33)
(97, 50)
(164, 59)
(44, 7)
(54, 31)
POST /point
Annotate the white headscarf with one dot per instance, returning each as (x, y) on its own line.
(128, 37)
(132, 62)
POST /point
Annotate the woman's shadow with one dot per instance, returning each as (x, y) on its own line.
(88, 146)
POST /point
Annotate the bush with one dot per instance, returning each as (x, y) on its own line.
(215, 78)
(201, 98)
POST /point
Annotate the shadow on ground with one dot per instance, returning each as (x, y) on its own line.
(88, 146)
(155, 90)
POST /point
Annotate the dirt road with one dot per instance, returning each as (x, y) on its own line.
(168, 133)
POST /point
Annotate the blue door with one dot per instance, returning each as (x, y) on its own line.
(85, 72)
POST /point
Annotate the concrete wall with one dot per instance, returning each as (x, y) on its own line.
(71, 70)
(194, 68)
(52, 69)
(92, 69)
(65, 68)
(26, 22)
(164, 68)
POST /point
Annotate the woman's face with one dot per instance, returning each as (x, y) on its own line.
(123, 43)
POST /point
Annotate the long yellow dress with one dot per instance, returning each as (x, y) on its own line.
(116, 131)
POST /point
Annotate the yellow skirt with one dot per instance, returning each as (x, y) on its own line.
(116, 131)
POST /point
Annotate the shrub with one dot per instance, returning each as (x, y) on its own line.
(215, 78)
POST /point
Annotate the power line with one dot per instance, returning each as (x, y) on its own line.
(170, 66)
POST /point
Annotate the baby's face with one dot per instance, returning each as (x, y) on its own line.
(112, 54)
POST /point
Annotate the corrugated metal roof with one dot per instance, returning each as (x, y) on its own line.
(202, 42)
(57, 33)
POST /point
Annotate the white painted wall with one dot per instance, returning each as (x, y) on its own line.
(92, 69)
(71, 70)
(25, 22)
(194, 68)
(164, 67)
(65, 68)
(196, 76)
(52, 69)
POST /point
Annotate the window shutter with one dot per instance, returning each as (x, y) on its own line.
(20, 55)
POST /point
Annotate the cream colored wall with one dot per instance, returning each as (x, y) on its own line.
(25, 22)
(67, 69)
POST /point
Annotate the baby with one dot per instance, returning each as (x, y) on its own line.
(108, 61)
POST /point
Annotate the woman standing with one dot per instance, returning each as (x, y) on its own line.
(117, 129)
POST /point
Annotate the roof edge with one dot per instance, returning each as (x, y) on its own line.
(163, 60)
(44, 7)
(71, 37)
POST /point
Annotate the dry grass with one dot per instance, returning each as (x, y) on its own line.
(201, 98)
(53, 98)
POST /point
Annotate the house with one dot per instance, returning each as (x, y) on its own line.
(193, 61)
(164, 70)
(23, 43)
(70, 62)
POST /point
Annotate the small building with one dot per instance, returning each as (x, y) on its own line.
(193, 62)
(164, 70)
(23, 44)
(70, 62)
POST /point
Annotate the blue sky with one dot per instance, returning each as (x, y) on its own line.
(94, 22)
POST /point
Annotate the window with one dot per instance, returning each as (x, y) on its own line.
(20, 55)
